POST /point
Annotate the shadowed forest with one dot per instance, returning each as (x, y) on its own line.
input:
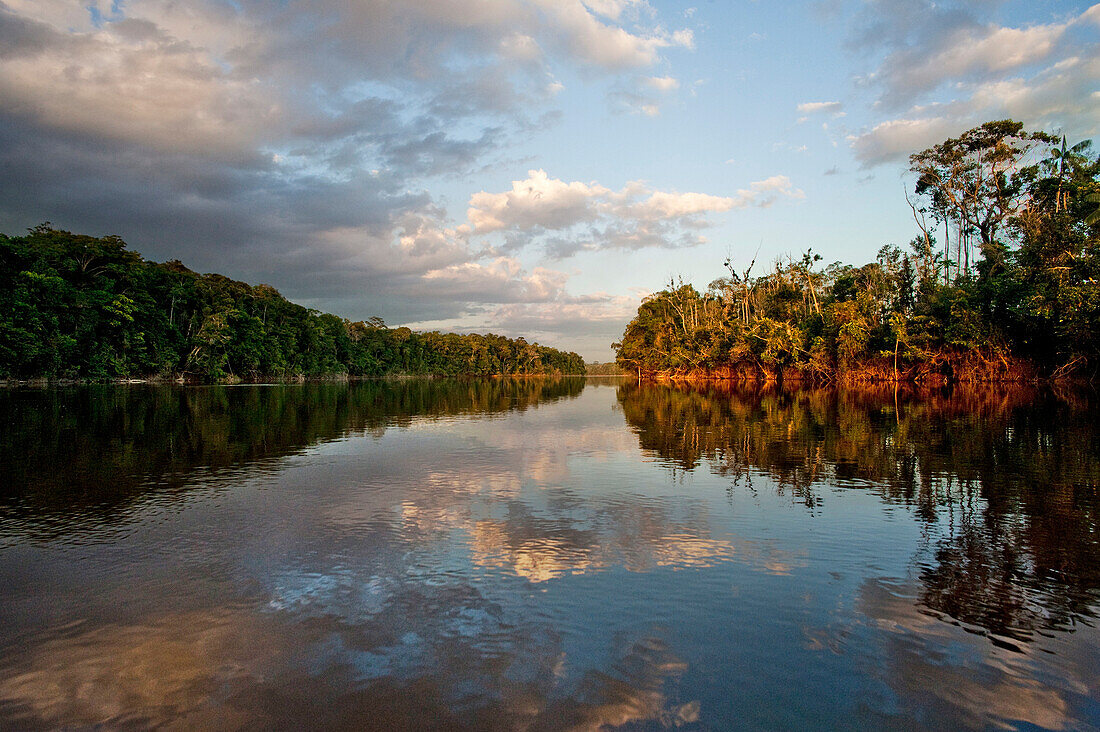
(1001, 282)
(77, 306)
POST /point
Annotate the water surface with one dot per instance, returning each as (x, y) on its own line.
(548, 555)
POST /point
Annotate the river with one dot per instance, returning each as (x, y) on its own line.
(548, 554)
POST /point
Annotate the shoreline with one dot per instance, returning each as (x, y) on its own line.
(268, 380)
(946, 369)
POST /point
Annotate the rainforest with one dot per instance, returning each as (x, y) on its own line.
(82, 307)
(1000, 283)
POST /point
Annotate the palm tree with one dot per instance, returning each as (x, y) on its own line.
(1093, 217)
(1062, 159)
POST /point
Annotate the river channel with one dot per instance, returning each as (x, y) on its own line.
(548, 554)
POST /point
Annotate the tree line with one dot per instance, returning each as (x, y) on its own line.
(76, 306)
(1002, 281)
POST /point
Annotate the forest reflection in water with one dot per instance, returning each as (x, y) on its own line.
(547, 554)
(1012, 474)
(82, 455)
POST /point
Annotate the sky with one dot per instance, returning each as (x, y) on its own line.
(523, 167)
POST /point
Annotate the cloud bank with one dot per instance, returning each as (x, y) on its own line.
(944, 68)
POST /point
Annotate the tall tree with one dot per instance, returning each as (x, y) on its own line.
(978, 179)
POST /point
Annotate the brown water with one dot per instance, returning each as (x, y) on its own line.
(547, 555)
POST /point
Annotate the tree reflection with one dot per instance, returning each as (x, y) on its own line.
(71, 455)
(1007, 480)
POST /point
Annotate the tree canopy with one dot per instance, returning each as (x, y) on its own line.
(85, 307)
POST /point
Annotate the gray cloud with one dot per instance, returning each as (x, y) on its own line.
(946, 67)
(293, 144)
(950, 44)
(22, 37)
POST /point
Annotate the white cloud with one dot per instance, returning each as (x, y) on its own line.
(409, 245)
(636, 100)
(613, 9)
(587, 324)
(897, 139)
(666, 205)
(764, 193)
(930, 45)
(644, 95)
(684, 37)
(59, 13)
(833, 108)
(607, 46)
(131, 81)
(502, 297)
(967, 52)
(538, 201)
(294, 143)
(546, 203)
(1057, 99)
(663, 83)
(208, 76)
(520, 47)
(500, 280)
(565, 217)
(568, 313)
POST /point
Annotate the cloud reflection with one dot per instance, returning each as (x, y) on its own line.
(224, 670)
(140, 674)
(957, 679)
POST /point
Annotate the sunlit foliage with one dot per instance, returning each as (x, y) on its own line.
(1013, 290)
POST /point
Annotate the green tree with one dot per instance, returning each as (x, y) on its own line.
(978, 179)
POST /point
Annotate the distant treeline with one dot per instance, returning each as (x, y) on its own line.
(596, 368)
(78, 306)
(1012, 291)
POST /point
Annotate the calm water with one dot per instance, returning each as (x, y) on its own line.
(548, 555)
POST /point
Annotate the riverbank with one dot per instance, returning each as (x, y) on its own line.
(192, 380)
(972, 367)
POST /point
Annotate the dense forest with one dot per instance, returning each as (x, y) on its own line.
(75, 306)
(1002, 281)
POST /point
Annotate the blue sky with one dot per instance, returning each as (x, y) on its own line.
(526, 167)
